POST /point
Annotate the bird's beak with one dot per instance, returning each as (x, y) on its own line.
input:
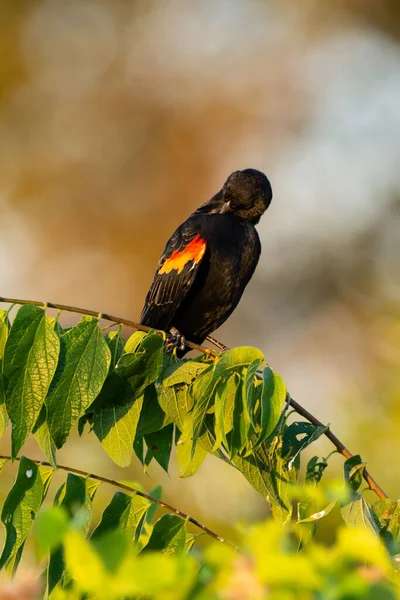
(225, 208)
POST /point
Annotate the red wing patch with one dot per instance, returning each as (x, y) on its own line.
(194, 251)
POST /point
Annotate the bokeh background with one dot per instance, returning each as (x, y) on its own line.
(119, 117)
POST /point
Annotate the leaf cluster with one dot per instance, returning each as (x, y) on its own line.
(139, 401)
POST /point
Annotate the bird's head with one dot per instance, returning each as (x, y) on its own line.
(246, 194)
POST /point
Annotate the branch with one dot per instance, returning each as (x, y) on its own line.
(340, 447)
(128, 488)
(105, 316)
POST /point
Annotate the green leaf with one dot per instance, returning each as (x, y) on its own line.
(152, 418)
(133, 342)
(315, 470)
(236, 359)
(202, 392)
(168, 535)
(115, 427)
(3, 462)
(4, 329)
(159, 446)
(143, 367)
(204, 386)
(86, 568)
(3, 411)
(21, 506)
(83, 368)
(115, 342)
(224, 405)
(270, 481)
(249, 389)
(308, 512)
(273, 398)
(319, 514)
(188, 463)
(44, 439)
(359, 512)
(75, 498)
(176, 402)
(30, 361)
(353, 471)
(156, 493)
(388, 513)
(125, 513)
(293, 446)
(50, 527)
(241, 423)
(182, 372)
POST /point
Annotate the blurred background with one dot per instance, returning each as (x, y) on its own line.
(119, 117)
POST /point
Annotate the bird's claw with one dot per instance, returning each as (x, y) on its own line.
(175, 341)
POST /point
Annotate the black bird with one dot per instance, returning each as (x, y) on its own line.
(208, 261)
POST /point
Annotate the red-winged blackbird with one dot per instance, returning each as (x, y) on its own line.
(208, 261)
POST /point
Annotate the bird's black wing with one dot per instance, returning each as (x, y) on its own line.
(176, 271)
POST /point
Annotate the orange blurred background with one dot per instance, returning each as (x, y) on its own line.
(119, 117)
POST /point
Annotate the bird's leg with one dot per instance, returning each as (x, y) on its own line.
(175, 340)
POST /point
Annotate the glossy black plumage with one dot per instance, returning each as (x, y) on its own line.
(209, 259)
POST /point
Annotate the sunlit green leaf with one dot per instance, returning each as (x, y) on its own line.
(273, 397)
(116, 343)
(85, 565)
(188, 463)
(132, 343)
(224, 406)
(202, 392)
(236, 359)
(84, 363)
(359, 512)
(176, 402)
(182, 372)
(115, 427)
(388, 513)
(30, 361)
(241, 423)
(249, 389)
(43, 437)
(4, 329)
(308, 512)
(21, 507)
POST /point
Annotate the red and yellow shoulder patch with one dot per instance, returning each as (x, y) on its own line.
(194, 251)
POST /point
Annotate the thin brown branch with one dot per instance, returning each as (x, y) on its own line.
(105, 316)
(136, 492)
(340, 447)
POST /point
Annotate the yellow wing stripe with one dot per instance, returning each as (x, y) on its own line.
(194, 251)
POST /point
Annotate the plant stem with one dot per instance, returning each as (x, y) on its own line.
(105, 316)
(340, 447)
(136, 492)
